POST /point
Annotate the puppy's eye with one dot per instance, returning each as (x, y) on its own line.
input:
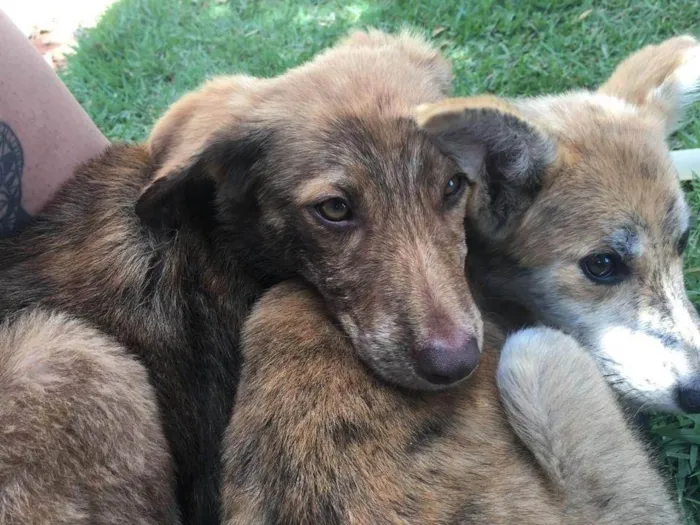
(334, 210)
(455, 186)
(603, 268)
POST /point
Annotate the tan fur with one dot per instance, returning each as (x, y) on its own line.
(609, 187)
(81, 439)
(187, 126)
(316, 438)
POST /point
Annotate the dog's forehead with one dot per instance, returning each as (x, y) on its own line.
(383, 150)
(629, 215)
(614, 187)
(623, 164)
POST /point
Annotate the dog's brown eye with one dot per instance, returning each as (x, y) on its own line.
(454, 185)
(600, 265)
(603, 268)
(334, 210)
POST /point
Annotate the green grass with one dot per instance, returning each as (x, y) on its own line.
(146, 53)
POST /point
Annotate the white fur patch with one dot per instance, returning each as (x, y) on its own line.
(640, 367)
(687, 77)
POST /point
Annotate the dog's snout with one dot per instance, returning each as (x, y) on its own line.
(444, 361)
(689, 396)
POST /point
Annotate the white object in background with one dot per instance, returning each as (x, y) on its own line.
(687, 163)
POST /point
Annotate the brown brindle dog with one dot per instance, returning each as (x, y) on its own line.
(580, 218)
(320, 174)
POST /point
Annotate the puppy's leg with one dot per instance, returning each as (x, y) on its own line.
(564, 412)
(80, 435)
(265, 480)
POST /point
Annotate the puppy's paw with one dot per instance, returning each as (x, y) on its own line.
(548, 383)
(533, 357)
(537, 343)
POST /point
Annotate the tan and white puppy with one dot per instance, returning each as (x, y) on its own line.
(585, 229)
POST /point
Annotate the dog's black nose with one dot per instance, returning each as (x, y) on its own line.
(443, 363)
(689, 396)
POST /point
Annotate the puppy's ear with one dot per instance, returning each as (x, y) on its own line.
(497, 149)
(200, 147)
(223, 172)
(661, 80)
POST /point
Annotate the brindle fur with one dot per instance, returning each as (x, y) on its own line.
(165, 247)
(81, 435)
(317, 438)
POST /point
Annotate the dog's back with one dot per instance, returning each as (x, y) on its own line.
(88, 256)
(82, 441)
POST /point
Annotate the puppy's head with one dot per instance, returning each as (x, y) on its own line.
(320, 173)
(595, 241)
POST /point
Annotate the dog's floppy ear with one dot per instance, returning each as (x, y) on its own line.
(661, 80)
(223, 170)
(497, 149)
(199, 147)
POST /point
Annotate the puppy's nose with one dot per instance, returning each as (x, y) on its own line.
(446, 361)
(689, 396)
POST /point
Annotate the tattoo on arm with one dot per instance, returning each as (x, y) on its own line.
(12, 215)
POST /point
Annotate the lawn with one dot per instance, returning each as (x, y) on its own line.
(146, 53)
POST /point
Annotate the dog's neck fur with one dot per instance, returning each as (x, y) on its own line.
(172, 298)
(492, 276)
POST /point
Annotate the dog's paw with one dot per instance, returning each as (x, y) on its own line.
(536, 355)
(536, 343)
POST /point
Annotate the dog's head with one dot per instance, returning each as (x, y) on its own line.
(321, 173)
(591, 241)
